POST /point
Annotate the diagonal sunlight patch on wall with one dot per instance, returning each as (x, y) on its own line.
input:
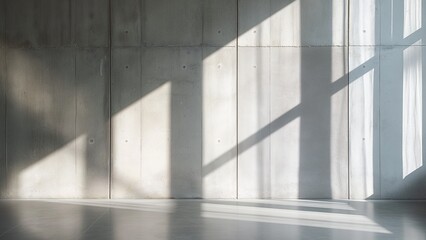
(363, 56)
(362, 95)
(286, 18)
(36, 180)
(339, 126)
(329, 220)
(412, 153)
(126, 149)
(43, 147)
(285, 91)
(285, 182)
(278, 16)
(245, 144)
(363, 24)
(133, 165)
(219, 113)
(412, 16)
(156, 126)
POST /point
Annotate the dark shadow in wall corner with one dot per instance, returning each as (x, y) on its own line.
(411, 187)
(257, 11)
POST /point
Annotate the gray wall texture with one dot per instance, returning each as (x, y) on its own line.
(211, 99)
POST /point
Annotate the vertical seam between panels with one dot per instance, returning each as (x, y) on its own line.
(237, 100)
(110, 102)
(348, 99)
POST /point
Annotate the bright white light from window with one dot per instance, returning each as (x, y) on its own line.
(412, 16)
(412, 110)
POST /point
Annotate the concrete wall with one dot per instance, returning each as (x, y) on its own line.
(292, 102)
(55, 75)
(174, 98)
(211, 98)
(386, 99)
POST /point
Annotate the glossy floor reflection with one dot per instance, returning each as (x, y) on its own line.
(212, 219)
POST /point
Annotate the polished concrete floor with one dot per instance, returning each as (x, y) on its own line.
(212, 219)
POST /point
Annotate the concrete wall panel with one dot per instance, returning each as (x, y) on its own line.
(322, 23)
(3, 178)
(364, 93)
(323, 123)
(2, 23)
(253, 23)
(412, 21)
(402, 174)
(156, 122)
(46, 23)
(174, 105)
(365, 22)
(91, 23)
(292, 23)
(126, 98)
(92, 120)
(172, 22)
(386, 99)
(285, 23)
(126, 22)
(219, 123)
(381, 22)
(220, 22)
(171, 81)
(41, 124)
(55, 23)
(401, 22)
(339, 122)
(391, 27)
(391, 97)
(285, 113)
(309, 123)
(254, 169)
(126, 123)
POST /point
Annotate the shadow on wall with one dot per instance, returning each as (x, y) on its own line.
(56, 114)
(386, 101)
(40, 124)
(292, 128)
(53, 116)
